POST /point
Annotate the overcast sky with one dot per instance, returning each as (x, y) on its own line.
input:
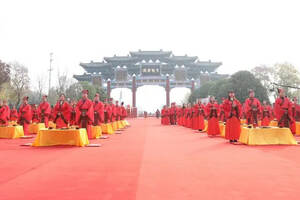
(241, 34)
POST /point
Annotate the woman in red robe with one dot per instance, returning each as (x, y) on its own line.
(266, 114)
(201, 115)
(222, 113)
(98, 111)
(195, 120)
(13, 114)
(165, 118)
(44, 111)
(252, 109)
(113, 111)
(123, 111)
(61, 113)
(25, 115)
(178, 115)
(183, 113)
(233, 111)
(73, 113)
(212, 111)
(283, 112)
(4, 114)
(35, 116)
(189, 116)
(107, 111)
(85, 113)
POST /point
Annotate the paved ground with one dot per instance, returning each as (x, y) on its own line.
(150, 161)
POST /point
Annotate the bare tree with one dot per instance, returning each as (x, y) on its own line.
(19, 80)
(41, 85)
(4, 73)
(63, 83)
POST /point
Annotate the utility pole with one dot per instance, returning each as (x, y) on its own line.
(50, 70)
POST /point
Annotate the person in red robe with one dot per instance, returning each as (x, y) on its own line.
(222, 113)
(172, 114)
(107, 112)
(201, 115)
(98, 110)
(113, 113)
(35, 115)
(51, 117)
(195, 121)
(178, 115)
(295, 109)
(85, 113)
(233, 109)
(118, 111)
(266, 114)
(165, 118)
(4, 114)
(283, 112)
(61, 112)
(186, 116)
(183, 112)
(189, 116)
(14, 114)
(123, 111)
(25, 115)
(44, 111)
(212, 110)
(73, 113)
(252, 109)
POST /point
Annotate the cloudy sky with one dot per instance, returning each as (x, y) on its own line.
(241, 34)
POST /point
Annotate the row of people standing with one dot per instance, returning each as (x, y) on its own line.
(85, 113)
(231, 112)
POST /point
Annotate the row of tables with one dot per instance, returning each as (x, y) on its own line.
(71, 136)
(271, 135)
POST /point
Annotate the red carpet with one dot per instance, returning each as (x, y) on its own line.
(150, 161)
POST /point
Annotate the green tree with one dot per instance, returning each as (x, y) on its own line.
(201, 92)
(242, 81)
(239, 82)
(74, 90)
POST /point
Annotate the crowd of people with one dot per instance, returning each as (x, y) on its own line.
(85, 113)
(231, 111)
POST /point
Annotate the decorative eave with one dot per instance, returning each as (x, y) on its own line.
(126, 59)
(160, 53)
(206, 66)
(182, 58)
(95, 65)
(84, 77)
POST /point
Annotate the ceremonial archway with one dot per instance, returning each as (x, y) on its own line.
(141, 68)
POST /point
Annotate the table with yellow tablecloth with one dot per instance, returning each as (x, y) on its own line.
(96, 132)
(205, 125)
(107, 128)
(222, 129)
(11, 132)
(12, 123)
(36, 127)
(125, 122)
(297, 128)
(51, 124)
(267, 136)
(76, 137)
